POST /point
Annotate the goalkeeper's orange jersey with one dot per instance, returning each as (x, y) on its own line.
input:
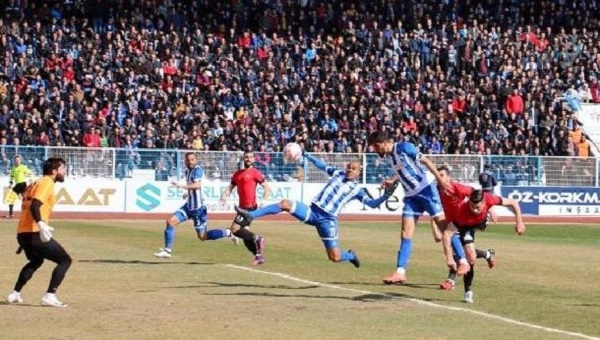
(42, 190)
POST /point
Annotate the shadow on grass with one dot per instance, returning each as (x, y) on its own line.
(434, 286)
(113, 261)
(369, 297)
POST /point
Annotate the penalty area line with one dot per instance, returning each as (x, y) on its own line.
(418, 301)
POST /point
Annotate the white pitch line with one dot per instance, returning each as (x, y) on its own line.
(422, 302)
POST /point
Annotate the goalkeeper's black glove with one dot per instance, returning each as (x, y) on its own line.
(389, 190)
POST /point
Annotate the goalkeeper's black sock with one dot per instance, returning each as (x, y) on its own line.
(10, 209)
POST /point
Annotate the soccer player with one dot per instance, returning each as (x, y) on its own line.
(246, 180)
(451, 199)
(420, 195)
(471, 215)
(342, 187)
(18, 176)
(193, 209)
(34, 235)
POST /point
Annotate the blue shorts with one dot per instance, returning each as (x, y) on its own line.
(327, 225)
(199, 216)
(427, 200)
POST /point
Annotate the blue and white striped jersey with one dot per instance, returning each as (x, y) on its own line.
(194, 200)
(413, 175)
(337, 192)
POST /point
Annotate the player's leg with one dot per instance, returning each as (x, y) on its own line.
(178, 217)
(254, 243)
(410, 215)
(271, 209)
(30, 243)
(468, 238)
(328, 230)
(54, 252)
(489, 255)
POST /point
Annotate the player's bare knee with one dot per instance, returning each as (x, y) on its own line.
(172, 221)
(285, 205)
(334, 257)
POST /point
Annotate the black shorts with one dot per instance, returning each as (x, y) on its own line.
(19, 188)
(467, 235)
(36, 250)
(241, 220)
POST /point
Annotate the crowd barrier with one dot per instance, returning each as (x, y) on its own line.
(140, 196)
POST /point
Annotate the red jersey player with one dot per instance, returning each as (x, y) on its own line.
(451, 197)
(246, 180)
(472, 214)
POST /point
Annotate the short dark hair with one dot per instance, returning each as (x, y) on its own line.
(476, 196)
(378, 137)
(443, 168)
(53, 163)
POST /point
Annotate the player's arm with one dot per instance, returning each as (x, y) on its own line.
(514, 206)
(320, 164)
(226, 193)
(40, 193)
(433, 169)
(266, 190)
(371, 202)
(197, 184)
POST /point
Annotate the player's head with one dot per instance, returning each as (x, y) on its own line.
(353, 169)
(190, 160)
(55, 168)
(444, 171)
(477, 201)
(248, 159)
(18, 159)
(381, 143)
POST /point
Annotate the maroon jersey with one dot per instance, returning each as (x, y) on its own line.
(463, 217)
(246, 181)
(451, 200)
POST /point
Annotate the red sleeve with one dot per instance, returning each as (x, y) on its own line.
(492, 200)
(259, 177)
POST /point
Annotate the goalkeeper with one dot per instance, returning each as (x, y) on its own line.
(322, 213)
(35, 235)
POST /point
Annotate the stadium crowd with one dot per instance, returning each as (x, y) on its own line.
(454, 77)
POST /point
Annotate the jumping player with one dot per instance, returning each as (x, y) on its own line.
(420, 195)
(323, 212)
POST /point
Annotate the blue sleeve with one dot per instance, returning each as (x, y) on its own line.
(409, 149)
(198, 174)
(320, 164)
(371, 203)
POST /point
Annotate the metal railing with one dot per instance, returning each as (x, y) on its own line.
(124, 163)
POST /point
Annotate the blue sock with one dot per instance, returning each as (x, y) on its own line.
(216, 234)
(457, 247)
(270, 209)
(169, 236)
(347, 256)
(404, 253)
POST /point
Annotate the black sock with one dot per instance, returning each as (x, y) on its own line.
(468, 279)
(10, 209)
(249, 239)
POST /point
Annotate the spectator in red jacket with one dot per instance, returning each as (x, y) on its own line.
(91, 138)
(514, 103)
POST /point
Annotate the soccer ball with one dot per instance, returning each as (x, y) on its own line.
(292, 151)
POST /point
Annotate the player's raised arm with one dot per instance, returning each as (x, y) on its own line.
(320, 164)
